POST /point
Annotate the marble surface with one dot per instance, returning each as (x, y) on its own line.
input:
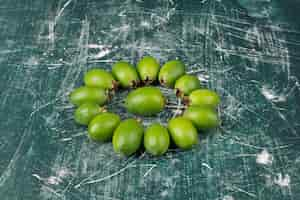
(248, 51)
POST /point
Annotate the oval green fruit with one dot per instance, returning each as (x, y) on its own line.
(204, 98)
(148, 69)
(85, 113)
(145, 101)
(128, 137)
(99, 78)
(102, 127)
(170, 72)
(126, 74)
(202, 117)
(186, 84)
(156, 139)
(183, 132)
(88, 94)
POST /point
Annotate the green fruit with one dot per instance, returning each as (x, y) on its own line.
(85, 113)
(148, 69)
(204, 98)
(128, 137)
(88, 94)
(126, 74)
(170, 72)
(186, 84)
(202, 117)
(145, 101)
(183, 132)
(99, 78)
(102, 126)
(156, 139)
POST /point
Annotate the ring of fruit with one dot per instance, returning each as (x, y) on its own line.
(128, 135)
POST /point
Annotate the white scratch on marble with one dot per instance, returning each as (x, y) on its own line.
(282, 181)
(235, 188)
(207, 166)
(60, 12)
(164, 193)
(101, 54)
(51, 180)
(149, 170)
(271, 95)
(228, 197)
(264, 158)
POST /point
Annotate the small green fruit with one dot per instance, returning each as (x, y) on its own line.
(156, 139)
(183, 132)
(204, 98)
(186, 84)
(145, 101)
(88, 94)
(99, 78)
(102, 126)
(128, 137)
(202, 117)
(85, 113)
(170, 72)
(148, 69)
(126, 74)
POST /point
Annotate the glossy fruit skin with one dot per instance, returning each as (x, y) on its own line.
(202, 117)
(156, 139)
(183, 132)
(148, 69)
(99, 78)
(85, 113)
(126, 74)
(170, 72)
(102, 127)
(128, 137)
(88, 94)
(145, 101)
(186, 84)
(204, 98)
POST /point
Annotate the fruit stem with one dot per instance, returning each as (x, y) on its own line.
(115, 85)
(179, 93)
(186, 100)
(182, 107)
(147, 81)
(162, 82)
(139, 119)
(135, 84)
(102, 109)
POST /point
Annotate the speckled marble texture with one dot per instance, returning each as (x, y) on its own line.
(248, 51)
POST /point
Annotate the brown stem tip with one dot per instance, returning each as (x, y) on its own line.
(103, 109)
(139, 120)
(147, 81)
(162, 82)
(110, 94)
(115, 85)
(135, 84)
(186, 100)
(179, 93)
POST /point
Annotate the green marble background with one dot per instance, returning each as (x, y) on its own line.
(248, 51)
